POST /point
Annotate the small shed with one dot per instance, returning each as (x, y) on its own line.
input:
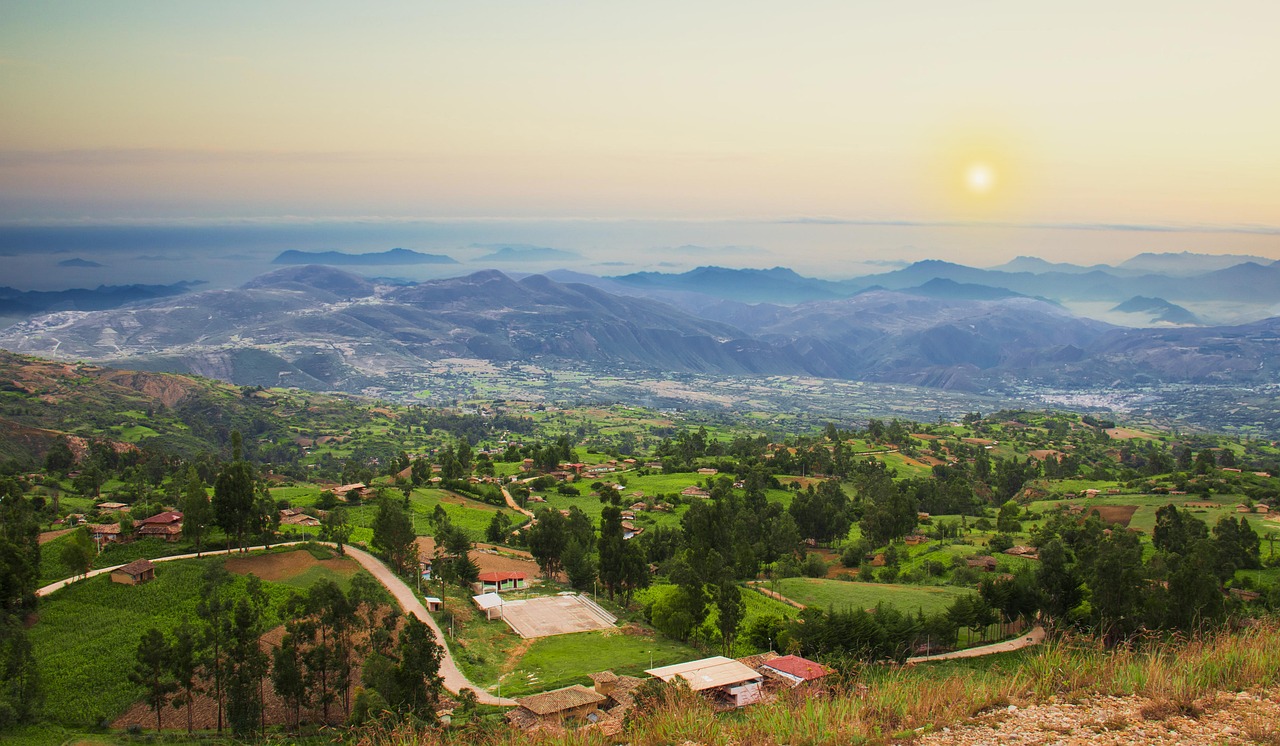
(717, 675)
(490, 604)
(434, 604)
(138, 571)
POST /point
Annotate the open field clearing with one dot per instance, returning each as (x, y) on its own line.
(841, 595)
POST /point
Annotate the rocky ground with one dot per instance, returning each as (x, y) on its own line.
(1228, 718)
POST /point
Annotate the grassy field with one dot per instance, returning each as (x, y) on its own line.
(554, 662)
(839, 594)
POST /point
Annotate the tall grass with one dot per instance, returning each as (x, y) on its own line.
(882, 704)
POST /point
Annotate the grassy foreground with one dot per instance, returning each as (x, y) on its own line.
(887, 704)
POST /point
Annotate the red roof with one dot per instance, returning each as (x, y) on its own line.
(169, 516)
(801, 668)
(498, 577)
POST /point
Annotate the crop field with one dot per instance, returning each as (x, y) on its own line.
(839, 594)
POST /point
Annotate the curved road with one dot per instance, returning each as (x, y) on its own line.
(454, 680)
(1034, 637)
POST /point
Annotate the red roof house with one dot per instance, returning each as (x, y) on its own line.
(796, 669)
(501, 581)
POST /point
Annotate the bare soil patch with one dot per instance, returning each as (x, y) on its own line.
(48, 536)
(488, 558)
(1046, 453)
(1124, 433)
(979, 441)
(1116, 514)
(289, 565)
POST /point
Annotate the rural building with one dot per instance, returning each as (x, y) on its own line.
(105, 533)
(138, 571)
(113, 507)
(725, 680)
(795, 669)
(295, 517)
(707, 471)
(572, 702)
(630, 530)
(983, 562)
(499, 581)
(358, 490)
(490, 604)
(914, 540)
(166, 525)
(434, 604)
(694, 492)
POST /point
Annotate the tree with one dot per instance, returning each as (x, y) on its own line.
(151, 670)
(215, 611)
(417, 670)
(334, 527)
(393, 535)
(888, 513)
(287, 676)
(184, 663)
(78, 552)
(234, 495)
(547, 539)
(499, 526)
(731, 610)
(197, 512)
(1058, 580)
(59, 459)
(246, 666)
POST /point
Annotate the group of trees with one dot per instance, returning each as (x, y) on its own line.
(20, 691)
(329, 637)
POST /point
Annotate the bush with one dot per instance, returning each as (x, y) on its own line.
(814, 566)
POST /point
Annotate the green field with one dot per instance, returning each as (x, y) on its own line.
(840, 594)
(84, 664)
(554, 662)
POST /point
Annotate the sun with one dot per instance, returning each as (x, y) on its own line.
(979, 178)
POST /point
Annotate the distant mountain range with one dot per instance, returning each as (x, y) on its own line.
(373, 259)
(524, 253)
(1256, 281)
(27, 302)
(322, 328)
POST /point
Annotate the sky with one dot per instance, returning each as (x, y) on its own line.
(1036, 122)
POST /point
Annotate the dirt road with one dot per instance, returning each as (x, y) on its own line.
(454, 680)
(1034, 637)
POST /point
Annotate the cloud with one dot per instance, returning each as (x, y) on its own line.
(1254, 229)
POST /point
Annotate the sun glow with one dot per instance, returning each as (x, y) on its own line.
(980, 178)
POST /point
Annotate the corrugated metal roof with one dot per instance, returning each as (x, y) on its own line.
(708, 673)
(487, 601)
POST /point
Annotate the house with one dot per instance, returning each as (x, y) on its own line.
(914, 540)
(1242, 508)
(1023, 551)
(692, 491)
(983, 562)
(1260, 508)
(724, 679)
(434, 604)
(707, 471)
(166, 525)
(499, 581)
(138, 571)
(490, 604)
(113, 507)
(358, 490)
(106, 533)
(630, 530)
(295, 517)
(795, 669)
(572, 702)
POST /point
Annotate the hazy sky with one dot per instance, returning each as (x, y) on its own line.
(1161, 113)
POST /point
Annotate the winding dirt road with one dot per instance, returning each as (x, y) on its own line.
(454, 680)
